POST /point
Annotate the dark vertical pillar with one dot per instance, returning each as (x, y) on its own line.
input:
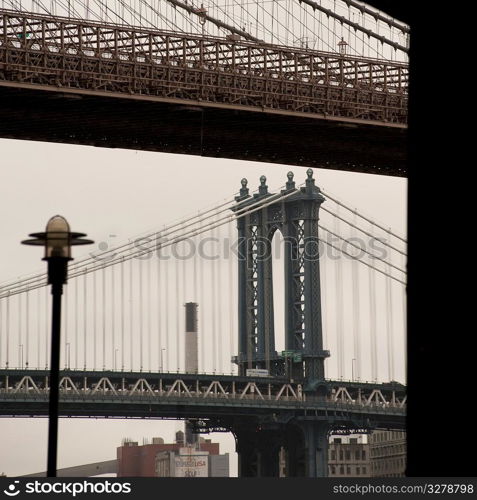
(316, 448)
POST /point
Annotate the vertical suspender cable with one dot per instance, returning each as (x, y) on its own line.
(177, 310)
(389, 324)
(1, 330)
(113, 312)
(356, 307)
(231, 297)
(159, 316)
(38, 303)
(7, 328)
(213, 309)
(27, 329)
(131, 343)
(76, 323)
(20, 345)
(148, 312)
(166, 304)
(94, 319)
(372, 324)
(339, 304)
(122, 314)
(140, 310)
(202, 302)
(220, 307)
(184, 291)
(103, 301)
(85, 321)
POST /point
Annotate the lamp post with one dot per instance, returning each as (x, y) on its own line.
(57, 240)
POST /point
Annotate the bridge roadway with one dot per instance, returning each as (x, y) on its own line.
(219, 399)
(82, 82)
(265, 414)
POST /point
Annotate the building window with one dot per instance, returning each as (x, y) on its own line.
(364, 470)
(356, 455)
(333, 454)
(348, 455)
(342, 470)
(358, 471)
(348, 470)
(363, 454)
(341, 455)
(333, 470)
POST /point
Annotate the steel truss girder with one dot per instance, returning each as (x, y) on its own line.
(84, 55)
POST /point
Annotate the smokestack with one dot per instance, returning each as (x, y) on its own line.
(191, 358)
(191, 338)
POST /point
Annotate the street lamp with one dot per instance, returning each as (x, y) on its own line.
(57, 240)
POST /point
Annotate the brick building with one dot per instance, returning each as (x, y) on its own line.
(140, 461)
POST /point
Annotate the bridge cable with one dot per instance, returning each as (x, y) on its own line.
(139, 311)
(389, 328)
(20, 345)
(355, 211)
(103, 307)
(166, 296)
(213, 308)
(339, 309)
(349, 242)
(123, 306)
(148, 312)
(85, 321)
(131, 316)
(76, 323)
(201, 315)
(113, 314)
(356, 26)
(372, 326)
(356, 318)
(39, 329)
(231, 297)
(384, 242)
(177, 324)
(159, 314)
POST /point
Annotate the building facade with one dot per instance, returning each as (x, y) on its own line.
(388, 453)
(349, 457)
(167, 459)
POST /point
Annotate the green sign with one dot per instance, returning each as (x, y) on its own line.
(287, 354)
(297, 357)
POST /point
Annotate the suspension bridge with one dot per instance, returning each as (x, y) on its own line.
(311, 83)
(317, 305)
(300, 296)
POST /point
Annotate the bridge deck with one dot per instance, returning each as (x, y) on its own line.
(59, 60)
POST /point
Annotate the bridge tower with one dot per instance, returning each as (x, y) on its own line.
(295, 214)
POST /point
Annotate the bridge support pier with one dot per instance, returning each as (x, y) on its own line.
(258, 453)
(316, 448)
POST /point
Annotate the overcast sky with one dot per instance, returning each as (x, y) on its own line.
(103, 192)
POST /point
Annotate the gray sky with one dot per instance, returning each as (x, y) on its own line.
(103, 192)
